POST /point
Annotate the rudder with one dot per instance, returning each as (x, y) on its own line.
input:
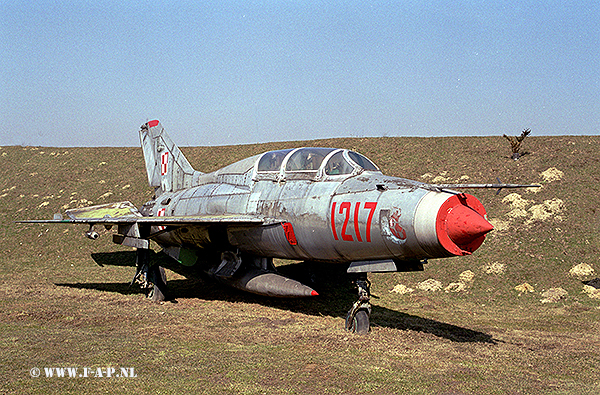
(168, 169)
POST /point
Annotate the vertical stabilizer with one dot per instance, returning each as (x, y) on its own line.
(168, 170)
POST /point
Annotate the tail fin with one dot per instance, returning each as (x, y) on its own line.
(168, 170)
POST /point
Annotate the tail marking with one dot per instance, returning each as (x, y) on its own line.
(168, 169)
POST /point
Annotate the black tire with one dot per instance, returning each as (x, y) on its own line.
(359, 324)
(159, 279)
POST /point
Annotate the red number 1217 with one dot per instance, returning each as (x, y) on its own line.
(346, 210)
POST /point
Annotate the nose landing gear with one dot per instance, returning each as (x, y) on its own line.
(357, 319)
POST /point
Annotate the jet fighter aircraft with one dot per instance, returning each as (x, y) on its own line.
(307, 204)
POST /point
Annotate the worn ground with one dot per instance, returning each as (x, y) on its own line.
(516, 318)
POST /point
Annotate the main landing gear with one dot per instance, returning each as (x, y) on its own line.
(357, 319)
(151, 277)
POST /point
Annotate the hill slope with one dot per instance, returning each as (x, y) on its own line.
(57, 304)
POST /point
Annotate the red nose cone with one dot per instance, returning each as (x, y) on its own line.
(465, 225)
(461, 225)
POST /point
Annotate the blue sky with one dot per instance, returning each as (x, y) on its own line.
(89, 73)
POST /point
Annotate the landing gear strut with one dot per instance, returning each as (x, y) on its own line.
(152, 277)
(357, 319)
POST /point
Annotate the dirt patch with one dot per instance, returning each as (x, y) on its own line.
(592, 292)
(549, 209)
(524, 288)
(582, 270)
(554, 295)
(402, 289)
(430, 284)
(467, 276)
(495, 268)
(525, 209)
(517, 201)
(552, 174)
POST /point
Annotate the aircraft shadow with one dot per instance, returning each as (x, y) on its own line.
(331, 281)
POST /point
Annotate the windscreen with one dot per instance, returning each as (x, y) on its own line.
(362, 161)
(338, 165)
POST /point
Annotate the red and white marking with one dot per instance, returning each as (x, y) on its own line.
(161, 213)
(164, 163)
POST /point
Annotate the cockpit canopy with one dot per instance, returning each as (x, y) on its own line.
(313, 162)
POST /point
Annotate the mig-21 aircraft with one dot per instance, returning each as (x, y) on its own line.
(306, 204)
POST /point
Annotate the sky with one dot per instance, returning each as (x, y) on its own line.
(89, 73)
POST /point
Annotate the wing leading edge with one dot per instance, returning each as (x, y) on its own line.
(122, 213)
(131, 222)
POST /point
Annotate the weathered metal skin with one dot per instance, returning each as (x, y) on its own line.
(309, 214)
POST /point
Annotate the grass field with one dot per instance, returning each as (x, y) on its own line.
(514, 318)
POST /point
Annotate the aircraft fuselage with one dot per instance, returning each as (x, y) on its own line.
(336, 218)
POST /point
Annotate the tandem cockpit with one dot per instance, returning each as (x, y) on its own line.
(312, 164)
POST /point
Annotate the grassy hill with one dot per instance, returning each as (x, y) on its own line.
(515, 317)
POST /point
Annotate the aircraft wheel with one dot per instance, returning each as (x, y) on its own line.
(159, 290)
(359, 323)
